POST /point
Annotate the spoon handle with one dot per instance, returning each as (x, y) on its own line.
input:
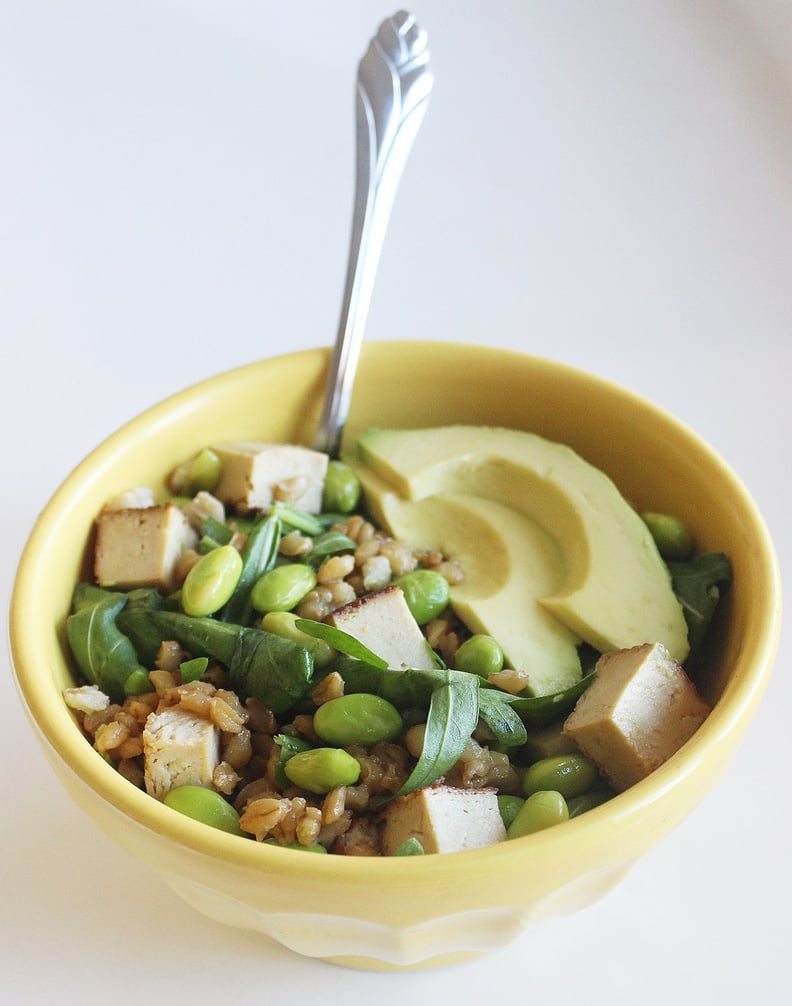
(393, 86)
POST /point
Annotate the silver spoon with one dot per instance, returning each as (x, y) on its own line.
(394, 82)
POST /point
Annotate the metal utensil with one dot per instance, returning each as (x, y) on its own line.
(394, 83)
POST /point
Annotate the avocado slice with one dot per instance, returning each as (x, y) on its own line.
(509, 563)
(615, 591)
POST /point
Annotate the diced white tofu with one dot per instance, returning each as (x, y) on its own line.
(639, 710)
(179, 749)
(139, 547)
(256, 474)
(131, 499)
(443, 819)
(86, 699)
(383, 622)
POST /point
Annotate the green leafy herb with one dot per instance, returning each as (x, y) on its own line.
(134, 620)
(541, 709)
(329, 543)
(289, 746)
(274, 670)
(217, 531)
(105, 656)
(340, 640)
(453, 715)
(505, 725)
(698, 584)
(297, 519)
(259, 555)
(193, 670)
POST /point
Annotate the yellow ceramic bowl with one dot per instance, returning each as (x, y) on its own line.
(412, 911)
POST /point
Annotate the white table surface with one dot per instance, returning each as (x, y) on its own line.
(609, 184)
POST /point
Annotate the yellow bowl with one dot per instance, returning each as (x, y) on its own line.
(389, 913)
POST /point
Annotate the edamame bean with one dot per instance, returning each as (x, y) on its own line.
(204, 805)
(321, 769)
(410, 847)
(282, 588)
(569, 774)
(138, 683)
(211, 581)
(588, 801)
(200, 474)
(426, 593)
(316, 847)
(672, 536)
(281, 623)
(541, 810)
(509, 807)
(358, 718)
(481, 654)
(341, 488)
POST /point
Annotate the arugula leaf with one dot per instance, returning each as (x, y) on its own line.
(261, 665)
(258, 556)
(341, 641)
(453, 715)
(506, 726)
(104, 654)
(289, 746)
(329, 543)
(698, 584)
(542, 709)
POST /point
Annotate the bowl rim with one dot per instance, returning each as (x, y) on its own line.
(55, 727)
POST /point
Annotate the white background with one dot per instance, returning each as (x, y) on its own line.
(606, 183)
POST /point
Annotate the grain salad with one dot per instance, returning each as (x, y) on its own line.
(260, 653)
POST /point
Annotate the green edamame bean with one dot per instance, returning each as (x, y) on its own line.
(316, 847)
(138, 683)
(672, 536)
(357, 718)
(426, 593)
(205, 805)
(211, 581)
(509, 807)
(481, 654)
(281, 623)
(341, 488)
(569, 774)
(201, 473)
(541, 810)
(282, 588)
(321, 769)
(588, 801)
(410, 847)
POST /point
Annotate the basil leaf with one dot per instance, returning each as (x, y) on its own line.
(105, 656)
(453, 715)
(340, 640)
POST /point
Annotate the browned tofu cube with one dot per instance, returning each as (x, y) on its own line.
(639, 710)
(383, 622)
(443, 819)
(139, 547)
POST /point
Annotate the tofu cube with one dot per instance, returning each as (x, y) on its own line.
(639, 710)
(443, 819)
(138, 547)
(254, 475)
(179, 749)
(383, 622)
